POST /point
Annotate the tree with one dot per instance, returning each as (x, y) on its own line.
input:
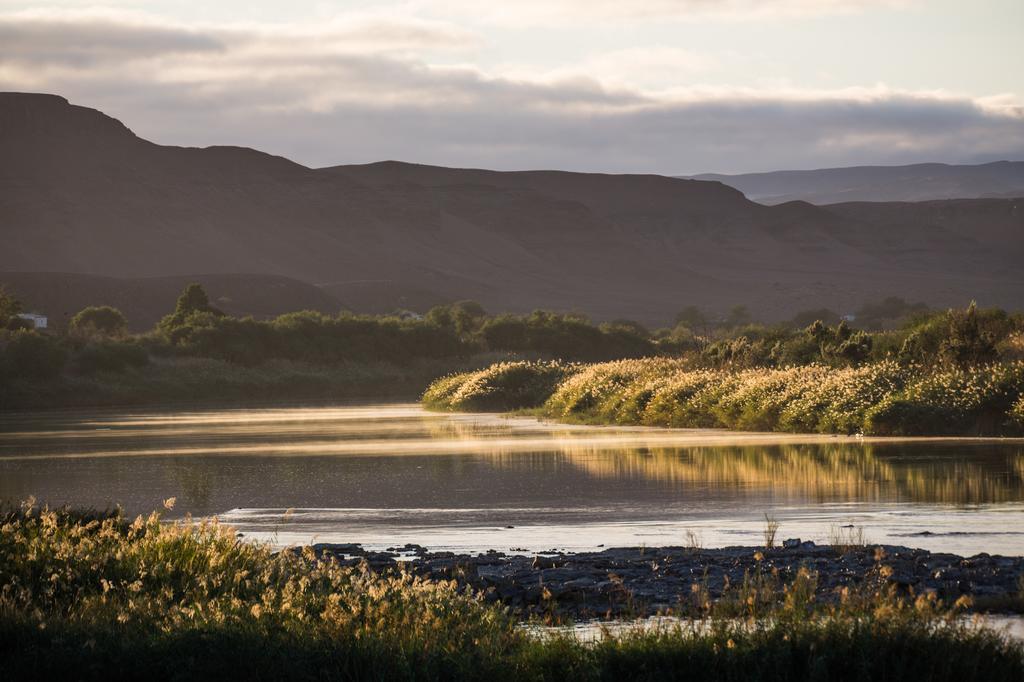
(739, 315)
(692, 317)
(463, 317)
(966, 342)
(99, 321)
(629, 326)
(10, 307)
(192, 300)
(807, 317)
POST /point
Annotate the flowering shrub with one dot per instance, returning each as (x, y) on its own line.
(1017, 413)
(836, 400)
(598, 392)
(963, 400)
(502, 386)
(882, 398)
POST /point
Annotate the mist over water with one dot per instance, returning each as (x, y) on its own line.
(385, 475)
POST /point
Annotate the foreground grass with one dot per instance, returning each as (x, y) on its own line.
(102, 598)
(883, 398)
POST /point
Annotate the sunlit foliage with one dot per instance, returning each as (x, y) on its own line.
(96, 596)
(884, 398)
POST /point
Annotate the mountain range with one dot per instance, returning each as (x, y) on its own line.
(917, 182)
(81, 195)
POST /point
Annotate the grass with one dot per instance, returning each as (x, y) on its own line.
(771, 529)
(98, 596)
(882, 398)
(846, 539)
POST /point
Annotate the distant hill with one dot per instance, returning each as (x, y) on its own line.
(82, 194)
(919, 182)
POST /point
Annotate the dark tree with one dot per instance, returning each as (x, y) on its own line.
(192, 300)
(99, 321)
(966, 342)
(10, 307)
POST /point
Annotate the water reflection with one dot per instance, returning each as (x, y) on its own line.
(394, 471)
(933, 473)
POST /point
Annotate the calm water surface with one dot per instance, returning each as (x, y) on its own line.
(390, 474)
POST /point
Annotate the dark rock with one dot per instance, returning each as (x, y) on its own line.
(546, 562)
(639, 581)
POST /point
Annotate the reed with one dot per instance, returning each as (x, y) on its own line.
(95, 596)
(882, 398)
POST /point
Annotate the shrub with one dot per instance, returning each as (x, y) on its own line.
(1017, 414)
(884, 398)
(566, 337)
(193, 300)
(110, 356)
(98, 321)
(503, 386)
(31, 355)
(973, 400)
(10, 307)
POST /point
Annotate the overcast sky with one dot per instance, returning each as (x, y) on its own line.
(664, 86)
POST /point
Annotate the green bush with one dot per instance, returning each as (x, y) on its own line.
(566, 337)
(98, 321)
(110, 356)
(31, 355)
(313, 337)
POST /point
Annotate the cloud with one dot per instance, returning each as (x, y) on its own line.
(85, 38)
(647, 67)
(355, 90)
(533, 12)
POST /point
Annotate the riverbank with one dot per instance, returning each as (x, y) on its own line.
(634, 582)
(180, 380)
(89, 596)
(885, 398)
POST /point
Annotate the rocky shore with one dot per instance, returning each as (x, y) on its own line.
(640, 581)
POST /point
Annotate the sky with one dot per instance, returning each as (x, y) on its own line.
(648, 86)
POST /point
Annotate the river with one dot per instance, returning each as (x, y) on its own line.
(386, 475)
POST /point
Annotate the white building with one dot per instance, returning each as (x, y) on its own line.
(38, 321)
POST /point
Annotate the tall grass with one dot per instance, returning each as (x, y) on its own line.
(101, 597)
(884, 398)
(502, 386)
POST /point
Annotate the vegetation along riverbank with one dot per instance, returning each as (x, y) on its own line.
(958, 373)
(885, 398)
(92, 596)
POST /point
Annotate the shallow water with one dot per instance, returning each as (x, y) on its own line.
(592, 630)
(386, 475)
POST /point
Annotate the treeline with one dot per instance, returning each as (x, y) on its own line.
(955, 337)
(97, 340)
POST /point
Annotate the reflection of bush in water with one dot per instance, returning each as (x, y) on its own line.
(823, 472)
